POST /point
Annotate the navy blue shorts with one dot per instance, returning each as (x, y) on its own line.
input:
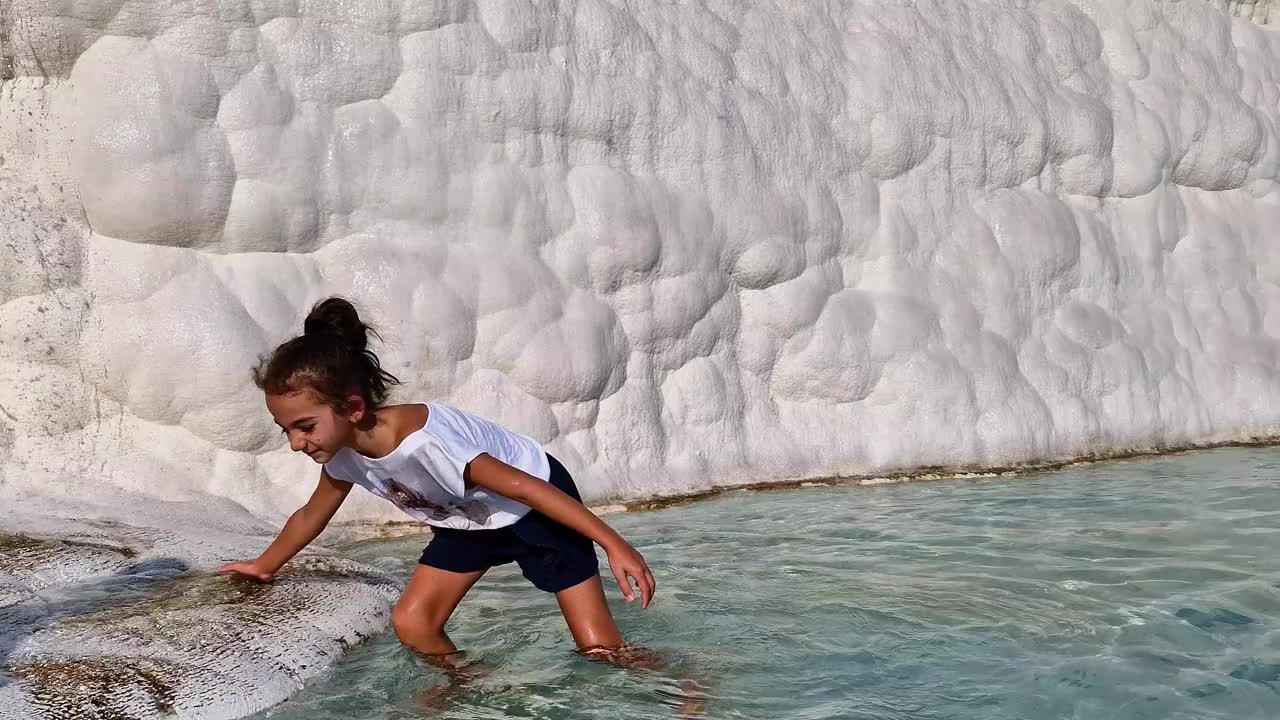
(550, 555)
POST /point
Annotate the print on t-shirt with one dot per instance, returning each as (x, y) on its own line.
(406, 498)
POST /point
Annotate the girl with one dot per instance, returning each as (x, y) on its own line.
(492, 496)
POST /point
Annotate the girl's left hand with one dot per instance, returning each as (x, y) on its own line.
(628, 564)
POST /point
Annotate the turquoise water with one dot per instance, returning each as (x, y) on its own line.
(1139, 589)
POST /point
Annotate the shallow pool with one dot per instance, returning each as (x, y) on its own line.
(1137, 589)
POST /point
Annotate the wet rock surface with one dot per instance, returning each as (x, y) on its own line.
(123, 622)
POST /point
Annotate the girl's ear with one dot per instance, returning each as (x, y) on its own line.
(356, 409)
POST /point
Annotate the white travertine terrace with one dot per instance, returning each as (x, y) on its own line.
(105, 619)
(684, 246)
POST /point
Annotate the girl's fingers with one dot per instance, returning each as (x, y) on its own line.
(246, 570)
(624, 585)
(644, 580)
(634, 570)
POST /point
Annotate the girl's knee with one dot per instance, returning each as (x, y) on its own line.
(411, 623)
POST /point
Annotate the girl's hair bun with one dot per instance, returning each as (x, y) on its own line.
(337, 318)
(331, 357)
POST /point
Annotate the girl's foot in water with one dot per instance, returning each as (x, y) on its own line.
(460, 672)
(691, 701)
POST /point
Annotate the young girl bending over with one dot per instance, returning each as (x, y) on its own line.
(492, 496)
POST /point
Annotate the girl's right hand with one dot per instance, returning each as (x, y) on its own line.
(246, 569)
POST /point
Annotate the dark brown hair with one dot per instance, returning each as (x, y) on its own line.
(331, 357)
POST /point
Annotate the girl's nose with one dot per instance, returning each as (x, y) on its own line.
(296, 443)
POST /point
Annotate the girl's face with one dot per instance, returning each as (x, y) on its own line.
(312, 426)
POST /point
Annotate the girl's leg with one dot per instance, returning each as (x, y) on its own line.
(587, 614)
(426, 604)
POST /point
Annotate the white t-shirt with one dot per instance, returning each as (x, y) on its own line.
(423, 475)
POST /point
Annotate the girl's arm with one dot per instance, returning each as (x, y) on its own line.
(303, 527)
(625, 562)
